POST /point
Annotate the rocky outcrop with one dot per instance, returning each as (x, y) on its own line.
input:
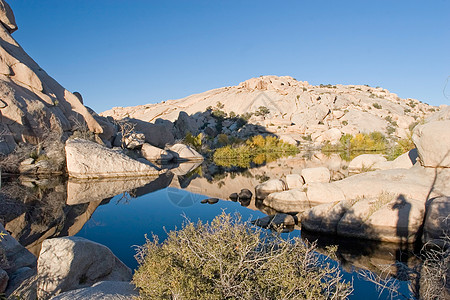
(32, 103)
(87, 159)
(366, 162)
(70, 263)
(111, 290)
(291, 108)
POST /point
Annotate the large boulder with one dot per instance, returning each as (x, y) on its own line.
(388, 218)
(432, 141)
(183, 152)
(157, 135)
(271, 186)
(319, 174)
(111, 290)
(153, 153)
(437, 221)
(70, 263)
(86, 159)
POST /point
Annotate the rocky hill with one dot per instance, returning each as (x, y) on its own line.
(287, 107)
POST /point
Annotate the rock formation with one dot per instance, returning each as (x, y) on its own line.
(33, 104)
(286, 107)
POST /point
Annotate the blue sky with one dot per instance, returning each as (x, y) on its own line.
(122, 53)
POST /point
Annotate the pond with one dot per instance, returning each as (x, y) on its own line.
(119, 213)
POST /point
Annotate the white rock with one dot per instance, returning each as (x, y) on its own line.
(288, 139)
(182, 152)
(153, 153)
(271, 186)
(432, 141)
(86, 159)
(70, 263)
(7, 17)
(323, 192)
(319, 174)
(134, 140)
(294, 181)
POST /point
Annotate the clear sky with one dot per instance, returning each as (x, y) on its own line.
(132, 52)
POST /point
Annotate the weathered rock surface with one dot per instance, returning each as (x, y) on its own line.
(288, 201)
(319, 174)
(433, 143)
(182, 153)
(72, 262)
(32, 103)
(386, 218)
(86, 159)
(111, 290)
(296, 109)
(153, 153)
(365, 162)
(437, 221)
(271, 186)
(294, 181)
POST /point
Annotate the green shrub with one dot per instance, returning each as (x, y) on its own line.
(377, 106)
(262, 111)
(229, 259)
(194, 141)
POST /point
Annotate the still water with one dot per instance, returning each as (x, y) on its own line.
(119, 213)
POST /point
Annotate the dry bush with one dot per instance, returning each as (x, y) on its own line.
(229, 259)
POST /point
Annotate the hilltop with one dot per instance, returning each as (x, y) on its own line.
(287, 107)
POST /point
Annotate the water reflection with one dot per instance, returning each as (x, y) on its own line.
(34, 209)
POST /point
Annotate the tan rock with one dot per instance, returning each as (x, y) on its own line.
(153, 153)
(72, 262)
(294, 181)
(319, 193)
(271, 186)
(365, 162)
(319, 174)
(86, 159)
(288, 201)
(432, 141)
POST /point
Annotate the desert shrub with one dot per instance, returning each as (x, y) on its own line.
(262, 111)
(377, 106)
(351, 146)
(400, 147)
(229, 259)
(222, 139)
(194, 141)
